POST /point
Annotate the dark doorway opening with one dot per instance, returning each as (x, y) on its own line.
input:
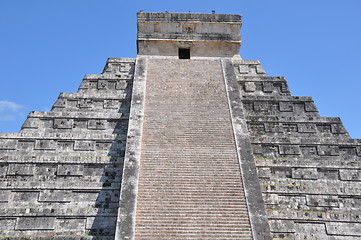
(184, 53)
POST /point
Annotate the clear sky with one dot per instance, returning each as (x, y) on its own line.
(47, 46)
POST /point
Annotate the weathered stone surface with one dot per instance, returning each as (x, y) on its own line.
(61, 174)
(35, 223)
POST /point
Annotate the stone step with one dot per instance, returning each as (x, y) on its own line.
(189, 169)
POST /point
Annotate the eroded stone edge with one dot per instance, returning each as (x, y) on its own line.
(125, 227)
(252, 188)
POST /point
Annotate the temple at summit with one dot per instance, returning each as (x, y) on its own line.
(186, 141)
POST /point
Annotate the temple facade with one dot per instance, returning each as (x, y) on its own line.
(185, 141)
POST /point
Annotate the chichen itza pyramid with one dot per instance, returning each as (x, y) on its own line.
(186, 141)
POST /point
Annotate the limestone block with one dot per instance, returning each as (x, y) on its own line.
(310, 107)
(243, 69)
(20, 198)
(305, 173)
(103, 84)
(249, 87)
(70, 170)
(309, 150)
(273, 127)
(289, 150)
(85, 103)
(324, 128)
(322, 201)
(338, 129)
(342, 228)
(261, 106)
(35, 223)
(98, 124)
(121, 84)
(67, 225)
(350, 175)
(21, 169)
(46, 170)
(314, 231)
(88, 84)
(281, 172)
(260, 69)
(65, 145)
(7, 223)
(347, 151)
(55, 196)
(60, 103)
(101, 222)
(111, 104)
(268, 87)
(286, 106)
(328, 150)
(4, 196)
(307, 127)
(124, 67)
(84, 145)
(328, 174)
(31, 123)
(282, 226)
(80, 123)
(256, 127)
(3, 169)
(358, 150)
(26, 145)
(63, 123)
(8, 144)
(284, 88)
(264, 172)
(103, 146)
(45, 144)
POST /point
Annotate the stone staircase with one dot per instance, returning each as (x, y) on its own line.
(190, 185)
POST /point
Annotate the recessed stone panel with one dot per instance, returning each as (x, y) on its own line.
(350, 175)
(304, 173)
(286, 226)
(342, 228)
(85, 103)
(286, 106)
(26, 145)
(84, 145)
(68, 225)
(55, 196)
(328, 150)
(70, 170)
(249, 87)
(8, 144)
(7, 223)
(63, 123)
(310, 107)
(101, 222)
(20, 198)
(338, 128)
(45, 144)
(260, 69)
(268, 87)
(97, 124)
(322, 201)
(243, 69)
(21, 169)
(65, 145)
(261, 106)
(35, 223)
(289, 150)
(60, 103)
(307, 127)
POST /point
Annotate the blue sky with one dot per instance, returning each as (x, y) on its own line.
(46, 47)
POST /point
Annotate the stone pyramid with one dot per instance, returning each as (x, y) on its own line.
(187, 141)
